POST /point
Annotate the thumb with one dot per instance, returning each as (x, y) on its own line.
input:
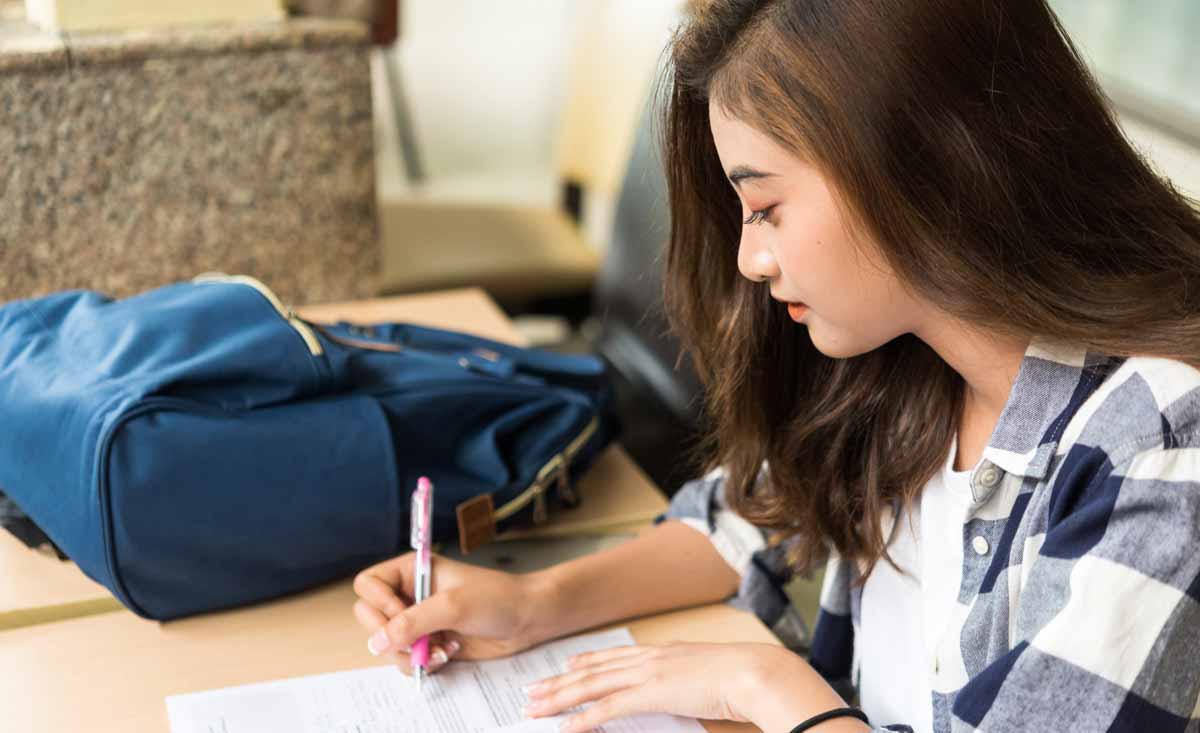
(436, 613)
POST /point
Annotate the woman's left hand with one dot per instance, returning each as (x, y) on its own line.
(696, 680)
(710, 681)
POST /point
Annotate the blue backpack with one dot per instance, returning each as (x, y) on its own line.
(199, 446)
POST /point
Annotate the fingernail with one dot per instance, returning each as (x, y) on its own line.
(453, 647)
(531, 709)
(378, 643)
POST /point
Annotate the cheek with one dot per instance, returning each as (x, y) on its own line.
(856, 304)
(853, 326)
(825, 272)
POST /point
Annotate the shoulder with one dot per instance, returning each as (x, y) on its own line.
(1125, 490)
(1128, 454)
(1141, 404)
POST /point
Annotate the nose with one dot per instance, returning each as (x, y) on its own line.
(755, 260)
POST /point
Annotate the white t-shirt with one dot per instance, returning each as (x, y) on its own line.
(903, 616)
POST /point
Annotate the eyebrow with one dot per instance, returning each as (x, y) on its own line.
(741, 173)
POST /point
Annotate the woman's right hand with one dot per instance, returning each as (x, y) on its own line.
(472, 612)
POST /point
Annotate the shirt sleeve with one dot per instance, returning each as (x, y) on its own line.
(701, 505)
(1107, 627)
(764, 573)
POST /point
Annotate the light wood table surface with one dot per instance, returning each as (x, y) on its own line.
(39, 588)
(618, 497)
(111, 673)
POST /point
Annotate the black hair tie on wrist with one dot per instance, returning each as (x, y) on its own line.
(830, 715)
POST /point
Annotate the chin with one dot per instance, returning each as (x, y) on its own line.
(837, 346)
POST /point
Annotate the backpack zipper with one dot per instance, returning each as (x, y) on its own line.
(556, 471)
(302, 328)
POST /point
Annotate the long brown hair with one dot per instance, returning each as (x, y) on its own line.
(973, 148)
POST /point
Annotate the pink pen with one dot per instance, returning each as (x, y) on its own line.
(421, 520)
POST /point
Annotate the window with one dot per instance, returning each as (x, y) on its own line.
(1145, 55)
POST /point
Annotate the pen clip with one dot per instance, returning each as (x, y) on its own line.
(422, 514)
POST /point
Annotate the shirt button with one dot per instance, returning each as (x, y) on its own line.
(980, 545)
(989, 476)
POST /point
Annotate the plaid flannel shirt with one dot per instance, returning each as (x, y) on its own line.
(1084, 612)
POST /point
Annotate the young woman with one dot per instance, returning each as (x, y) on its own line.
(945, 316)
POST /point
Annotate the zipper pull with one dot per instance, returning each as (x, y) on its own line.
(488, 363)
(566, 492)
(540, 514)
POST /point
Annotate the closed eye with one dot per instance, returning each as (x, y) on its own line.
(757, 217)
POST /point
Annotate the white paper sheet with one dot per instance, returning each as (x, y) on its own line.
(462, 697)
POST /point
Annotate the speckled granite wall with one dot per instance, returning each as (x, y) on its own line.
(132, 160)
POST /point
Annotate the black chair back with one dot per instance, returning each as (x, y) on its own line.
(663, 393)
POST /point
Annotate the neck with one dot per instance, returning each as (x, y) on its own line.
(987, 362)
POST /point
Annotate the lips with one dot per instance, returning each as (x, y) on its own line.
(797, 311)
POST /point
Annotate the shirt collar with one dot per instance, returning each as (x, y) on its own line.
(1054, 379)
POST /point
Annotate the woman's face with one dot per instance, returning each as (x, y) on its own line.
(794, 240)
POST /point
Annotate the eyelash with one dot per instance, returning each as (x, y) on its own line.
(757, 217)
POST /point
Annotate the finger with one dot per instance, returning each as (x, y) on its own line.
(394, 569)
(439, 611)
(372, 620)
(620, 704)
(369, 617)
(590, 688)
(377, 592)
(587, 658)
(398, 572)
(551, 684)
(440, 655)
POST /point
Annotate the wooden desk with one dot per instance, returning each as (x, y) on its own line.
(37, 588)
(618, 497)
(469, 310)
(111, 673)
